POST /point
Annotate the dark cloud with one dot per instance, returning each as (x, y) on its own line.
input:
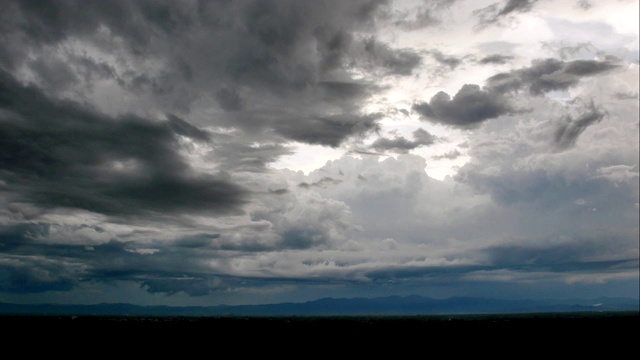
(104, 187)
(345, 91)
(577, 255)
(253, 63)
(279, 191)
(229, 99)
(468, 108)
(13, 236)
(494, 13)
(568, 132)
(235, 156)
(548, 75)
(322, 183)
(25, 268)
(329, 130)
(495, 59)
(451, 61)
(517, 6)
(398, 144)
(60, 154)
(181, 127)
(385, 274)
(196, 241)
(192, 285)
(32, 266)
(395, 62)
(31, 274)
(451, 155)
(303, 238)
(401, 145)
(365, 152)
(587, 67)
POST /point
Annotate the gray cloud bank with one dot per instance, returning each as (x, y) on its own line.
(177, 55)
(549, 75)
(59, 154)
(136, 140)
(472, 105)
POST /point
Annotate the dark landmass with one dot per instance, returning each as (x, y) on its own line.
(539, 334)
(393, 324)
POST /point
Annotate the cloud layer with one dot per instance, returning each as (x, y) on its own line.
(142, 147)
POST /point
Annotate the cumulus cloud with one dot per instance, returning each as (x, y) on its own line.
(33, 274)
(468, 108)
(451, 155)
(495, 59)
(401, 145)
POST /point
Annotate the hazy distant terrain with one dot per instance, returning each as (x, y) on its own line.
(392, 305)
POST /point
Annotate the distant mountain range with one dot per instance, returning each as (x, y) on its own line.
(391, 305)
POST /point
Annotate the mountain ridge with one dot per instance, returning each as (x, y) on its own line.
(388, 305)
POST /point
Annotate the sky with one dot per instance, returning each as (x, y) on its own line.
(262, 151)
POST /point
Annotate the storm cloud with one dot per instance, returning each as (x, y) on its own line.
(59, 154)
(468, 108)
(214, 152)
(401, 145)
(267, 60)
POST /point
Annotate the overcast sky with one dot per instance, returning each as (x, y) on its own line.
(244, 152)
